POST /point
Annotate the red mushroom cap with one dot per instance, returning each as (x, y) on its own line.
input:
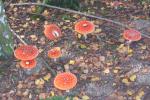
(26, 52)
(54, 52)
(132, 35)
(84, 27)
(52, 31)
(65, 81)
(28, 64)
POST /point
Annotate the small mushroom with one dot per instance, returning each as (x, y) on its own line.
(131, 35)
(65, 81)
(52, 31)
(55, 53)
(28, 64)
(84, 27)
(26, 52)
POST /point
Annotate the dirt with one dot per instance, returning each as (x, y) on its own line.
(104, 72)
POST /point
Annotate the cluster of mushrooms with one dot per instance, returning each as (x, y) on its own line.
(66, 80)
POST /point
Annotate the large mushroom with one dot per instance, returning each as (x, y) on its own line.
(52, 31)
(27, 55)
(84, 27)
(26, 52)
(65, 81)
(54, 53)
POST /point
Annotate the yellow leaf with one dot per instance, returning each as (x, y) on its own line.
(85, 97)
(125, 80)
(75, 98)
(121, 46)
(65, 27)
(141, 93)
(47, 77)
(95, 78)
(132, 78)
(137, 98)
(115, 71)
(39, 82)
(52, 93)
(98, 30)
(129, 92)
(82, 46)
(71, 62)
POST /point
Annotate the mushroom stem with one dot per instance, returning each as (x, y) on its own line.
(67, 90)
(55, 59)
(85, 36)
(128, 42)
(128, 45)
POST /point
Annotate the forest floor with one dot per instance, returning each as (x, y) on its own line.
(105, 68)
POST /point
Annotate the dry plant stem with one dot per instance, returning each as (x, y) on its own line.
(76, 12)
(53, 72)
(21, 40)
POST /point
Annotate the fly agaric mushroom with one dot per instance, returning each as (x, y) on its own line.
(132, 35)
(54, 53)
(28, 64)
(52, 31)
(84, 27)
(65, 81)
(26, 52)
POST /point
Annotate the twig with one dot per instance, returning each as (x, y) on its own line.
(53, 72)
(77, 12)
(14, 33)
(71, 11)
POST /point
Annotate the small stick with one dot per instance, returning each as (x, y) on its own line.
(18, 36)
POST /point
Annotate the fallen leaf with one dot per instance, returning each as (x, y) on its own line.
(72, 62)
(143, 47)
(98, 30)
(129, 92)
(132, 78)
(95, 78)
(85, 97)
(115, 71)
(52, 93)
(106, 71)
(82, 46)
(47, 77)
(125, 81)
(39, 82)
(76, 98)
